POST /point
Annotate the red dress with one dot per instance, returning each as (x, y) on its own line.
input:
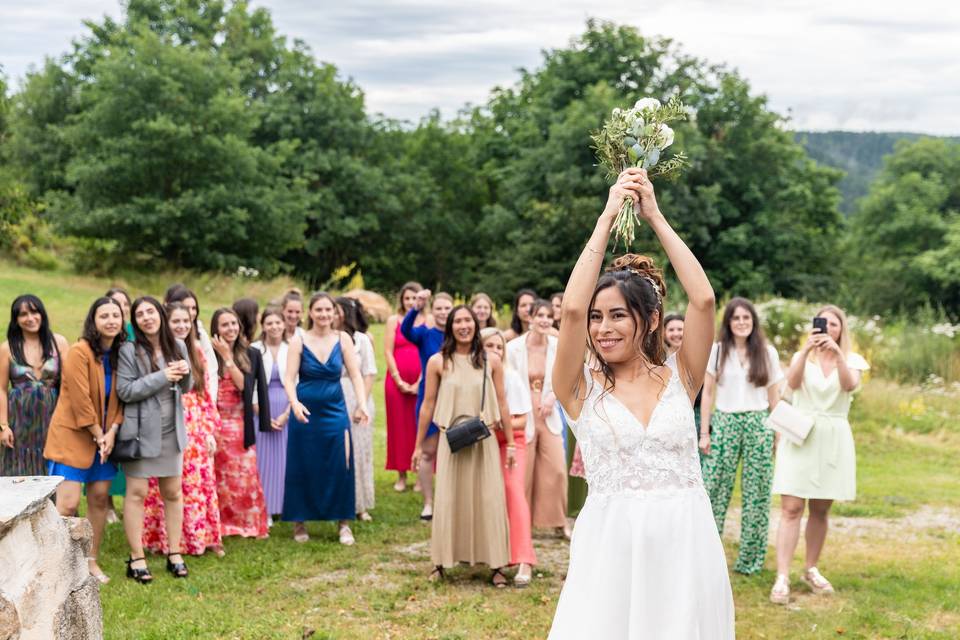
(243, 510)
(401, 407)
(201, 511)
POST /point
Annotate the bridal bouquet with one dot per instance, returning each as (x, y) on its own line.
(637, 137)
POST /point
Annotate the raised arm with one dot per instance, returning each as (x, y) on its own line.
(413, 333)
(701, 309)
(568, 367)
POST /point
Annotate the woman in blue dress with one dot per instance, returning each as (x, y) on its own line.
(319, 483)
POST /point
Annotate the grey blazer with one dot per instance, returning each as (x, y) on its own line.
(137, 388)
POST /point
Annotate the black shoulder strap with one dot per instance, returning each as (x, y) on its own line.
(483, 392)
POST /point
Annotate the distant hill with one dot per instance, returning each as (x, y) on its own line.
(859, 154)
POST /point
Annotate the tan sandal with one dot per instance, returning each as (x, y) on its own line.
(817, 583)
(780, 593)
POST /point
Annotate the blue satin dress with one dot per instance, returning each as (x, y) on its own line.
(319, 483)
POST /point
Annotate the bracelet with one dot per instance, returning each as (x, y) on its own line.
(228, 364)
(592, 250)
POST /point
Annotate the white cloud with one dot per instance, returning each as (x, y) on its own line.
(847, 64)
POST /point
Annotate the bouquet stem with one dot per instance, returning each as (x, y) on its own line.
(625, 224)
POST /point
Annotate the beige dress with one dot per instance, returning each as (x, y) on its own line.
(470, 508)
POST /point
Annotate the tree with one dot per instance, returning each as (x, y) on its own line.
(905, 239)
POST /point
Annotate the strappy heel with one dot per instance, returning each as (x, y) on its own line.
(493, 579)
(437, 575)
(177, 569)
(143, 576)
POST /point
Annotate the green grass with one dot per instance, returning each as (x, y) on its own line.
(896, 569)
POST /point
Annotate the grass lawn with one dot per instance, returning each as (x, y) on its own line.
(894, 554)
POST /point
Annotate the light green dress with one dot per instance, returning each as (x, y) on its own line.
(825, 465)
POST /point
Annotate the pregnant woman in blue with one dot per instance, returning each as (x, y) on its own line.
(319, 482)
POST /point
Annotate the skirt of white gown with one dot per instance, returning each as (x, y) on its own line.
(646, 566)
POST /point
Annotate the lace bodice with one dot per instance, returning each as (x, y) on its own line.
(621, 457)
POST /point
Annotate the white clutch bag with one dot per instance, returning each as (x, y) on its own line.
(789, 422)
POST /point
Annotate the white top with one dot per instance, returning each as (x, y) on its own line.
(213, 367)
(517, 360)
(518, 395)
(735, 393)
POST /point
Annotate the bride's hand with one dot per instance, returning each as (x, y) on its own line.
(626, 187)
(648, 208)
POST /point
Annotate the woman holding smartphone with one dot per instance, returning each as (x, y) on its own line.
(152, 374)
(824, 374)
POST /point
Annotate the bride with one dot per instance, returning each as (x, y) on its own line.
(645, 560)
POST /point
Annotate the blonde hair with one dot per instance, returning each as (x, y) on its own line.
(845, 342)
(477, 297)
(489, 332)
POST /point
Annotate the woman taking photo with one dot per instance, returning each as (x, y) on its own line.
(30, 367)
(514, 477)
(823, 375)
(201, 509)
(400, 386)
(428, 338)
(470, 512)
(482, 307)
(243, 511)
(351, 321)
(272, 435)
(152, 374)
(741, 386)
(520, 322)
(86, 421)
(646, 560)
(320, 481)
(532, 356)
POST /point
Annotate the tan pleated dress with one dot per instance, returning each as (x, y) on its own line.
(470, 507)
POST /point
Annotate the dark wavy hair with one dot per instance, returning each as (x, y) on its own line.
(638, 280)
(240, 357)
(92, 336)
(354, 318)
(515, 322)
(247, 311)
(198, 369)
(759, 373)
(477, 352)
(48, 341)
(168, 344)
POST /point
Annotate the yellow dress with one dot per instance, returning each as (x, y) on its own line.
(825, 465)
(470, 507)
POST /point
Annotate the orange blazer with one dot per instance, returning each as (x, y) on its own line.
(80, 406)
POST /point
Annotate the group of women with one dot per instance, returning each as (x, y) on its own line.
(596, 383)
(193, 428)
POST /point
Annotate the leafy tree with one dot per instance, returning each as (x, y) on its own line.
(905, 239)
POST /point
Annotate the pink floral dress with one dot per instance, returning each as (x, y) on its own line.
(201, 510)
(243, 509)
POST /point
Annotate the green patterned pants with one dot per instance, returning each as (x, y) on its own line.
(737, 435)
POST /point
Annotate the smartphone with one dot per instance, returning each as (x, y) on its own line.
(820, 325)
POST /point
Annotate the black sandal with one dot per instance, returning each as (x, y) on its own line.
(493, 579)
(438, 572)
(143, 576)
(177, 569)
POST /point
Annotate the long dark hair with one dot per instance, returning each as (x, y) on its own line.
(759, 373)
(641, 284)
(354, 319)
(92, 336)
(515, 322)
(240, 357)
(15, 334)
(198, 369)
(167, 343)
(477, 352)
(247, 311)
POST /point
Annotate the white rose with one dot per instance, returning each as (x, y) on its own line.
(647, 103)
(665, 134)
(616, 111)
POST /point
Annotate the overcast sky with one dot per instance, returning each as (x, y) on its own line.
(846, 64)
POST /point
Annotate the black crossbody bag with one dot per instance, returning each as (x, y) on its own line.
(127, 450)
(472, 430)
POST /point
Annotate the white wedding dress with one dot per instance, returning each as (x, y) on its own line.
(645, 559)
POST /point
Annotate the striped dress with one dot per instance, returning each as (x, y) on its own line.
(30, 404)
(272, 446)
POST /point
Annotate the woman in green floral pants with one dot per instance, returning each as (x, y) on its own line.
(741, 385)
